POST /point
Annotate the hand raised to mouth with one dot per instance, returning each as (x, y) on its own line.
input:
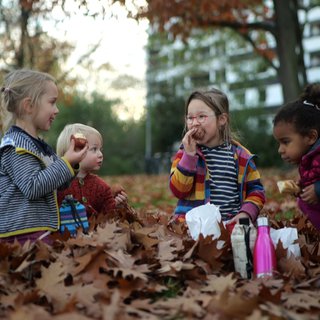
(198, 134)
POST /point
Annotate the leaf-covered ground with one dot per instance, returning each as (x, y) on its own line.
(138, 266)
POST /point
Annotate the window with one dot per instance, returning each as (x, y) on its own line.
(315, 59)
(315, 28)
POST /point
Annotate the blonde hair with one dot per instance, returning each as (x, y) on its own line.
(18, 85)
(63, 142)
(219, 103)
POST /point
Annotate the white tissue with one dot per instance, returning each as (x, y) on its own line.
(287, 237)
(204, 219)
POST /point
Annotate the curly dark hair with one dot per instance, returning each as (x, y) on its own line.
(303, 113)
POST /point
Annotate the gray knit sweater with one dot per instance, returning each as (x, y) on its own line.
(28, 182)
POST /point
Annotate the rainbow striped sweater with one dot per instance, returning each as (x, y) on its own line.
(190, 181)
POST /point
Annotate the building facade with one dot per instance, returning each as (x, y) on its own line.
(223, 59)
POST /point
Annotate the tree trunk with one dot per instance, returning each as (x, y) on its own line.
(21, 50)
(292, 73)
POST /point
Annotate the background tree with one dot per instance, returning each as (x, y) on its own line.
(255, 20)
(25, 44)
(168, 122)
(123, 140)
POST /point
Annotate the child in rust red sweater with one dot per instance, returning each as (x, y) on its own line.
(89, 189)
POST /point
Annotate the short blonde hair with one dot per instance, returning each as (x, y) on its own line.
(63, 142)
(18, 85)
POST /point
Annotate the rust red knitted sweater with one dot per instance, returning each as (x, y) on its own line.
(93, 192)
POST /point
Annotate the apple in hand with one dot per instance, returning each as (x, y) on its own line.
(80, 140)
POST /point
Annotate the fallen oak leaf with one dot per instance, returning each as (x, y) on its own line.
(219, 284)
(8, 299)
(128, 273)
(106, 234)
(165, 251)
(188, 255)
(257, 315)
(71, 316)
(253, 287)
(187, 305)
(79, 295)
(210, 251)
(142, 237)
(173, 267)
(28, 312)
(278, 311)
(82, 262)
(302, 300)
(112, 309)
(162, 233)
(292, 267)
(203, 266)
(126, 287)
(266, 295)
(55, 273)
(126, 266)
(232, 305)
(28, 254)
(281, 252)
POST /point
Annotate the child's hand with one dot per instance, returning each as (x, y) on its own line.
(240, 215)
(75, 155)
(308, 195)
(189, 142)
(121, 199)
(120, 196)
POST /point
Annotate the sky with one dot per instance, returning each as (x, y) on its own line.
(122, 48)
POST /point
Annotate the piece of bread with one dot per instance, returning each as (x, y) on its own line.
(288, 186)
(79, 140)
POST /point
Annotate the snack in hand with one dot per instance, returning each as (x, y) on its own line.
(117, 189)
(198, 134)
(79, 140)
(288, 186)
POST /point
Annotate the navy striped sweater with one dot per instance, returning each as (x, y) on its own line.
(28, 183)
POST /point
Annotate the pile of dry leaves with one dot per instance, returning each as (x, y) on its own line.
(135, 267)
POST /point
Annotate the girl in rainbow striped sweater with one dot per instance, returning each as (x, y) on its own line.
(211, 167)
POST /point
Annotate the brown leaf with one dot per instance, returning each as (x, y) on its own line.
(266, 295)
(171, 268)
(127, 266)
(292, 267)
(142, 236)
(165, 251)
(54, 274)
(82, 262)
(219, 284)
(302, 300)
(232, 305)
(207, 250)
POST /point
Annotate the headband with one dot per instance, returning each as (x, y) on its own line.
(311, 104)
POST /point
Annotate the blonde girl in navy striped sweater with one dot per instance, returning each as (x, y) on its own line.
(30, 171)
(212, 167)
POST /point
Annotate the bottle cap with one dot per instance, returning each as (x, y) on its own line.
(244, 221)
(262, 221)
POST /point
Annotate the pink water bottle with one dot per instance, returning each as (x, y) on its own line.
(264, 256)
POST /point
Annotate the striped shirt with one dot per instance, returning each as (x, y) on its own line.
(223, 179)
(190, 181)
(30, 173)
